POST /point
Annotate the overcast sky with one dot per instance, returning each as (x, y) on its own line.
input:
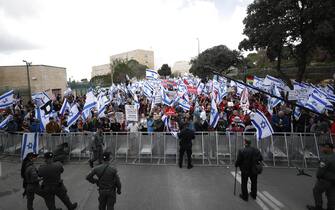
(78, 34)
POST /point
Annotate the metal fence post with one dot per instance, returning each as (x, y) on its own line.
(127, 147)
(217, 148)
(273, 152)
(202, 148)
(288, 159)
(331, 137)
(316, 145)
(229, 144)
(303, 150)
(115, 144)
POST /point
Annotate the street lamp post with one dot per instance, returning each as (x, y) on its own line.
(28, 77)
(198, 46)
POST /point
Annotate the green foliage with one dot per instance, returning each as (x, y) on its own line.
(290, 28)
(165, 70)
(218, 58)
(132, 68)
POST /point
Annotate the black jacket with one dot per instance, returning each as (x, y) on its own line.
(186, 135)
(247, 159)
(51, 172)
(326, 169)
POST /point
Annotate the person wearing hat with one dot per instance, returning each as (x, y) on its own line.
(325, 179)
(97, 146)
(52, 183)
(247, 160)
(108, 182)
(31, 182)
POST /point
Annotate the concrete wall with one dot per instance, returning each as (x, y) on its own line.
(42, 78)
(145, 57)
(100, 70)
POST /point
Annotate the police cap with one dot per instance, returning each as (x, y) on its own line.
(48, 155)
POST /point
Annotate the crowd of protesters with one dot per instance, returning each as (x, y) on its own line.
(231, 116)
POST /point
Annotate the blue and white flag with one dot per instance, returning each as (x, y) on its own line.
(151, 74)
(262, 125)
(29, 144)
(74, 114)
(258, 82)
(297, 111)
(165, 99)
(90, 103)
(5, 122)
(148, 90)
(42, 117)
(166, 122)
(7, 99)
(214, 117)
(222, 93)
(101, 105)
(200, 88)
(273, 102)
(65, 107)
(182, 89)
(316, 103)
(269, 81)
(184, 104)
(40, 98)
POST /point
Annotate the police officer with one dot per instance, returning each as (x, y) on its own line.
(52, 183)
(31, 183)
(247, 159)
(108, 181)
(186, 136)
(325, 179)
(96, 146)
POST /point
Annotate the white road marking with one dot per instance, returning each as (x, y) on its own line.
(273, 199)
(269, 200)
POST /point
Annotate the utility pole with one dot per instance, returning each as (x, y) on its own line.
(198, 46)
(28, 77)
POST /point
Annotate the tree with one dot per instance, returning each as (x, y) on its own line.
(132, 68)
(300, 25)
(165, 70)
(218, 58)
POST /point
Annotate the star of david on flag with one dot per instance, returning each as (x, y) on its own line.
(29, 144)
(262, 125)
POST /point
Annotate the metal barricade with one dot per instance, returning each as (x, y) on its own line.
(209, 148)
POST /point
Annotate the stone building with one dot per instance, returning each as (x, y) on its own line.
(50, 79)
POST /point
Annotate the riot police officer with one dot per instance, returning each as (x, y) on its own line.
(97, 146)
(186, 136)
(247, 159)
(31, 183)
(52, 183)
(108, 182)
(325, 179)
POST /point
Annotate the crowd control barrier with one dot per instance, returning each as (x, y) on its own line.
(209, 148)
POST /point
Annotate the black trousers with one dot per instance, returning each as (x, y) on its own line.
(323, 186)
(244, 185)
(33, 189)
(106, 200)
(58, 190)
(188, 153)
(97, 155)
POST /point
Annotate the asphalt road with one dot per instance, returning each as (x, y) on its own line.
(151, 187)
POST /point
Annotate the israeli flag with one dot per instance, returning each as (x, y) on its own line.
(101, 105)
(214, 117)
(262, 125)
(269, 81)
(273, 102)
(216, 85)
(29, 144)
(258, 82)
(222, 93)
(74, 114)
(42, 117)
(5, 122)
(316, 103)
(165, 99)
(7, 99)
(297, 111)
(40, 98)
(151, 74)
(166, 121)
(90, 103)
(148, 90)
(200, 88)
(182, 89)
(184, 104)
(65, 106)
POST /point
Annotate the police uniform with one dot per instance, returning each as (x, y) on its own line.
(31, 182)
(52, 183)
(108, 181)
(186, 136)
(247, 159)
(325, 182)
(97, 145)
